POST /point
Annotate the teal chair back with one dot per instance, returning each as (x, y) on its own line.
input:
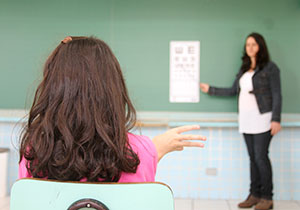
(37, 194)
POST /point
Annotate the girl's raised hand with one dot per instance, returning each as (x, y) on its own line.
(173, 140)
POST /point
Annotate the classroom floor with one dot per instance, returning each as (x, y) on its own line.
(183, 204)
(187, 204)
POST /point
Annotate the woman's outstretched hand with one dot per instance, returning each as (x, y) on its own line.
(204, 87)
(275, 128)
(173, 140)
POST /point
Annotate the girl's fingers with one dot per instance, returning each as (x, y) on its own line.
(191, 144)
(179, 148)
(186, 128)
(191, 137)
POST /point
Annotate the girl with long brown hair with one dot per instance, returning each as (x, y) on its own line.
(79, 123)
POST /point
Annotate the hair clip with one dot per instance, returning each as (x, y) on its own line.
(66, 40)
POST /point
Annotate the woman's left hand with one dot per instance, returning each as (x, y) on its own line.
(275, 128)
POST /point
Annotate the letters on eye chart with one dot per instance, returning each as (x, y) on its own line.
(184, 71)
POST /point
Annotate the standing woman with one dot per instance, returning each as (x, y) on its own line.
(258, 87)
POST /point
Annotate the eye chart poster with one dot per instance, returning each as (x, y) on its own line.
(184, 71)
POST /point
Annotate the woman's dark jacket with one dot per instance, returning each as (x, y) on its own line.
(266, 88)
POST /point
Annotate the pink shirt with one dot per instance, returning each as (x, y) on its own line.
(146, 152)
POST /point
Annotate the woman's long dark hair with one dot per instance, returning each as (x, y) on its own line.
(262, 56)
(78, 123)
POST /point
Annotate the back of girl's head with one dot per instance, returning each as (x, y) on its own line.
(262, 56)
(80, 117)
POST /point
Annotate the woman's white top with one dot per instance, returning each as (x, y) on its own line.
(251, 121)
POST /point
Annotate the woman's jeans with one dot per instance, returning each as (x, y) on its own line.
(260, 166)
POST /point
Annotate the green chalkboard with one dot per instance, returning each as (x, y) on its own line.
(139, 33)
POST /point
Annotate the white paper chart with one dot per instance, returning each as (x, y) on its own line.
(184, 71)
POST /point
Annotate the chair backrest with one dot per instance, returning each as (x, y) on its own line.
(37, 194)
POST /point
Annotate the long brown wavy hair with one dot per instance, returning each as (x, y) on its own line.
(262, 57)
(78, 123)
